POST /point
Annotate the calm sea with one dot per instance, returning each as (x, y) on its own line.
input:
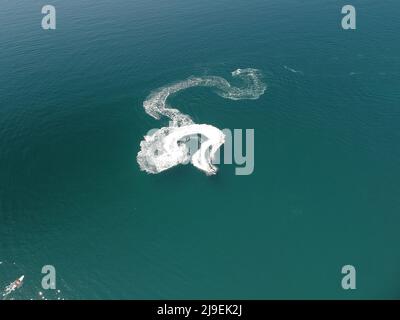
(324, 193)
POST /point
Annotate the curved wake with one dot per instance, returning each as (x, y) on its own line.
(166, 147)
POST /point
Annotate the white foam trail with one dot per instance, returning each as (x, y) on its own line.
(292, 70)
(166, 147)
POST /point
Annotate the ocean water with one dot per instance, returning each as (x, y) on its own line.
(325, 189)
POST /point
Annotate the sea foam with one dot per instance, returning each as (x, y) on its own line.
(167, 147)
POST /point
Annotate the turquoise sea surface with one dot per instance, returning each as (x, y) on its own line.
(325, 191)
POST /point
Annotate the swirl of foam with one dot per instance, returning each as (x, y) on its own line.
(166, 147)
